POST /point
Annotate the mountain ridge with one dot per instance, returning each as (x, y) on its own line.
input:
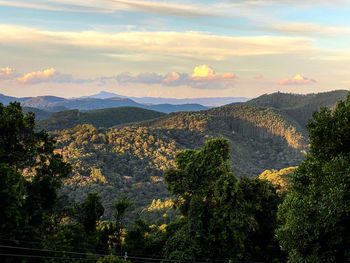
(53, 103)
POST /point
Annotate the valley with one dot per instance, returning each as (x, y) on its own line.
(264, 133)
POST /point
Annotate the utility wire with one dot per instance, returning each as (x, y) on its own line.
(48, 250)
(102, 255)
(46, 257)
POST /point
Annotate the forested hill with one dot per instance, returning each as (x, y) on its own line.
(132, 158)
(244, 119)
(297, 106)
(99, 118)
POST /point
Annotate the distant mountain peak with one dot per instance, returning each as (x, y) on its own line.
(106, 95)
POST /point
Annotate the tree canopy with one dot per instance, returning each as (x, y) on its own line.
(315, 215)
(223, 217)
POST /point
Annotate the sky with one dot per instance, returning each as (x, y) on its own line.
(178, 49)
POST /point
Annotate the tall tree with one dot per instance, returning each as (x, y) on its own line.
(315, 216)
(209, 199)
(30, 174)
(90, 211)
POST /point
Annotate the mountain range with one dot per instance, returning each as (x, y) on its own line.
(104, 100)
(208, 102)
(54, 104)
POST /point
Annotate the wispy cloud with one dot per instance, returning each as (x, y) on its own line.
(180, 44)
(165, 8)
(307, 29)
(110, 6)
(297, 80)
(297, 3)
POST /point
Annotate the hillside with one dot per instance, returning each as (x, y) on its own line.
(300, 107)
(132, 158)
(39, 114)
(99, 118)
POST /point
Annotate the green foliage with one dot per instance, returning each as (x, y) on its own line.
(30, 174)
(133, 158)
(223, 217)
(280, 178)
(261, 203)
(12, 201)
(315, 214)
(112, 259)
(120, 208)
(300, 107)
(90, 211)
(119, 161)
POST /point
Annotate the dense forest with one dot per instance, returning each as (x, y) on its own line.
(99, 118)
(171, 190)
(132, 158)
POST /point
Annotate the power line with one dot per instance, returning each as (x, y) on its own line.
(35, 242)
(46, 257)
(151, 258)
(48, 250)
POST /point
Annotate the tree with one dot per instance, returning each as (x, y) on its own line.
(30, 175)
(11, 201)
(261, 200)
(112, 259)
(209, 199)
(315, 215)
(90, 211)
(121, 206)
(136, 239)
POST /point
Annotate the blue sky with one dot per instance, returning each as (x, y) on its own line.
(153, 48)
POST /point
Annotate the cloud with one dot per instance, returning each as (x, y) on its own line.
(297, 80)
(111, 6)
(164, 8)
(179, 44)
(145, 77)
(205, 72)
(297, 3)
(50, 75)
(203, 77)
(304, 28)
(6, 73)
(258, 76)
(37, 76)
